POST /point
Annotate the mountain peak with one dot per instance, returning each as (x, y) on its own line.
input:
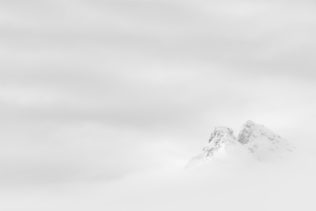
(219, 138)
(261, 141)
(256, 139)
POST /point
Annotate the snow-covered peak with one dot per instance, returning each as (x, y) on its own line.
(219, 138)
(251, 131)
(262, 142)
(254, 139)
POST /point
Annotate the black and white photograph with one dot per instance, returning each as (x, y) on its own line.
(157, 105)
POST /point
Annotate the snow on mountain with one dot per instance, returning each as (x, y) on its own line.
(263, 143)
(254, 139)
(220, 138)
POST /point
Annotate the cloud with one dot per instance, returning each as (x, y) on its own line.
(101, 90)
(220, 185)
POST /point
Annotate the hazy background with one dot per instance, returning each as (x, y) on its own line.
(97, 91)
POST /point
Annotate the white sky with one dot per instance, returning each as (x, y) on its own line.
(101, 90)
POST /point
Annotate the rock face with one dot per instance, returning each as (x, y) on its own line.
(257, 140)
(262, 142)
(220, 137)
(247, 132)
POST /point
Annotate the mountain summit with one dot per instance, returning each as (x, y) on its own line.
(262, 142)
(220, 138)
(254, 139)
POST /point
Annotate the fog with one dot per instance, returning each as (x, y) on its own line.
(103, 103)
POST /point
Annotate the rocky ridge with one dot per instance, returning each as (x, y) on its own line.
(255, 139)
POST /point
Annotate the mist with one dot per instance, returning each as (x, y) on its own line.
(103, 103)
